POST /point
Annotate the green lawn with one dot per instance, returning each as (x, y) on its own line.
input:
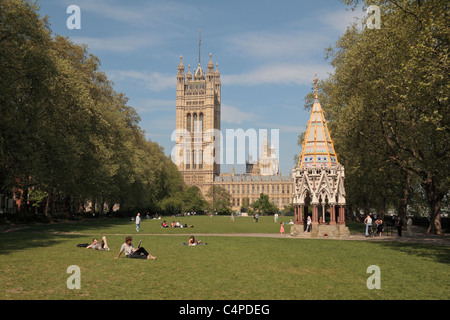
(33, 264)
(202, 224)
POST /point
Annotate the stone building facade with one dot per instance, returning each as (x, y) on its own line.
(198, 114)
(198, 109)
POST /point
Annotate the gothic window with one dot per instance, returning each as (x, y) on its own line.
(189, 122)
(194, 166)
(200, 129)
(195, 123)
(188, 159)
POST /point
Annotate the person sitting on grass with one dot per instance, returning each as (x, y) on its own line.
(104, 244)
(98, 246)
(173, 224)
(164, 224)
(131, 252)
(193, 242)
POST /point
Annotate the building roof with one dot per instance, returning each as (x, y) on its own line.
(317, 148)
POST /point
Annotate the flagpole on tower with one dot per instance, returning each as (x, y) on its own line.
(199, 44)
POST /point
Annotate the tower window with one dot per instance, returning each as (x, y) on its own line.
(200, 127)
(189, 128)
(188, 159)
(194, 166)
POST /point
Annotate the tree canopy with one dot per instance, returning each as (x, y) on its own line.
(66, 136)
(387, 106)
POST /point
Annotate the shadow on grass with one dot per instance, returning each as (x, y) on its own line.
(17, 241)
(31, 236)
(82, 226)
(429, 251)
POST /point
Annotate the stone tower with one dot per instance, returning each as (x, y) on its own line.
(319, 180)
(198, 107)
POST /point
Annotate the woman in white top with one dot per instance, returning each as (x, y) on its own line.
(368, 222)
(308, 224)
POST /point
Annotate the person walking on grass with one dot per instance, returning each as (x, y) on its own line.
(138, 222)
(131, 252)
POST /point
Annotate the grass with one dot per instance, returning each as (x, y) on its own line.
(33, 264)
(202, 224)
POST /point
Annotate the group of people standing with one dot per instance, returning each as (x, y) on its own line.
(380, 225)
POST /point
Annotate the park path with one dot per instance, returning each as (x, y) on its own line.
(419, 236)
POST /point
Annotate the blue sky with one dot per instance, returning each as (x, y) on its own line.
(268, 53)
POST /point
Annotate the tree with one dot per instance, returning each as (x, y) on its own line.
(289, 208)
(246, 205)
(220, 199)
(66, 136)
(263, 205)
(193, 200)
(388, 100)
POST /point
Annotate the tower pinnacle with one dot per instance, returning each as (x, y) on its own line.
(315, 86)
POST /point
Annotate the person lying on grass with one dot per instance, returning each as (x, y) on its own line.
(131, 252)
(98, 246)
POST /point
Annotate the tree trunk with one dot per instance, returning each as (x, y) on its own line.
(82, 207)
(403, 205)
(53, 206)
(358, 214)
(47, 205)
(434, 198)
(382, 210)
(366, 206)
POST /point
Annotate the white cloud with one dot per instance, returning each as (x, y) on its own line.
(118, 44)
(231, 114)
(145, 13)
(291, 74)
(152, 105)
(278, 46)
(154, 81)
(340, 20)
(283, 127)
